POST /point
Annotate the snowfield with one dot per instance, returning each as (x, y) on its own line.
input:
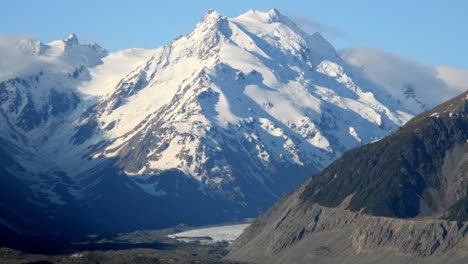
(227, 233)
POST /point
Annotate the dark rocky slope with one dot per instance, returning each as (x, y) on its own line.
(402, 199)
(419, 170)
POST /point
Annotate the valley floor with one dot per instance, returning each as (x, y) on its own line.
(174, 245)
(174, 253)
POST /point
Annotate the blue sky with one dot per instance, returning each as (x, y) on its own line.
(432, 32)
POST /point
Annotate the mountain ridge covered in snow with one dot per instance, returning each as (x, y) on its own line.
(224, 120)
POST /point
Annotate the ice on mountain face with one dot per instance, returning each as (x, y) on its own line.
(255, 36)
(156, 81)
(270, 127)
(353, 133)
(106, 76)
(238, 102)
(331, 69)
(251, 85)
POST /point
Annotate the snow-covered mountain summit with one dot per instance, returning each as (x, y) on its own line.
(41, 80)
(224, 120)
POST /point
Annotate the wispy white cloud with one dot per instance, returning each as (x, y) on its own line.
(13, 59)
(309, 24)
(21, 55)
(456, 78)
(431, 84)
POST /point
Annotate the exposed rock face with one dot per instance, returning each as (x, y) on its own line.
(297, 231)
(337, 216)
(420, 170)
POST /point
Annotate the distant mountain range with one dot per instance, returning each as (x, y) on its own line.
(215, 126)
(402, 199)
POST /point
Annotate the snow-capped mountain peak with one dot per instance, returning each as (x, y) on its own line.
(31, 47)
(211, 21)
(67, 42)
(271, 16)
(211, 14)
(280, 97)
(71, 51)
(241, 110)
(71, 39)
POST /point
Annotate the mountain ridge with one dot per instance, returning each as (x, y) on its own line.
(234, 114)
(394, 200)
(427, 143)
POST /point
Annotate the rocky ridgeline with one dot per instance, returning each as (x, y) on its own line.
(386, 202)
(337, 235)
